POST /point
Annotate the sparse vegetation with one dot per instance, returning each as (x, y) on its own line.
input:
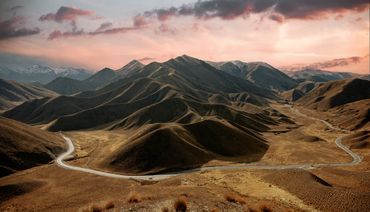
(109, 205)
(181, 204)
(234, 198)
(96, 208)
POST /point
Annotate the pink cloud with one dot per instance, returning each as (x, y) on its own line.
(66, 14)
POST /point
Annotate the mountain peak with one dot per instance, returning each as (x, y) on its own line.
(131, 67)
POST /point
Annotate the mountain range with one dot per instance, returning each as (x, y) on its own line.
(40, 73)
(187, 111)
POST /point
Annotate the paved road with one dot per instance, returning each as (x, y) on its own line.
(356, 160)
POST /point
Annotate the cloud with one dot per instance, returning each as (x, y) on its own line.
(13, 27)
(165, 28)
(104, 26)
(336, 62)
(112, 31)
(58, 34)
(146, 59)
(282, 9)
(277, 17)
(339, 62)
(139, 21)
(66, 14)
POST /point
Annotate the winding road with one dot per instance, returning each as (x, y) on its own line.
(68, 154)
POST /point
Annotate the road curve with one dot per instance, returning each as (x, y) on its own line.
(68, 154)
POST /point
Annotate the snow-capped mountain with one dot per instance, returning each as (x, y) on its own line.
(41, 73)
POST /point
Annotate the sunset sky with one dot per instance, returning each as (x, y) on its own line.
(330, 34)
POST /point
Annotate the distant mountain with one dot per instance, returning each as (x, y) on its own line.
(320, 75)
(68, 86)
(41, 74)
(23, 146)
(14, 93)
(131, 68)
(102, 77)
(259, 73)
(336, 93)
(302, 89)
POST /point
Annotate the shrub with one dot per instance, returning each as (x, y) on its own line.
(265, 208)
(181, 204)
(96, 208)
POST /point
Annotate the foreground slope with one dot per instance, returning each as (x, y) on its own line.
(14, 93)
(23, 146)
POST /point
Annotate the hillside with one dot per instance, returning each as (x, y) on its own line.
(336, 93)
(352, 116)
(23, 146)
(14, 93)
(175, 147)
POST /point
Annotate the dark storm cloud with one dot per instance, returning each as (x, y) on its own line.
(66, 14)
(287, 9)
(13, 27)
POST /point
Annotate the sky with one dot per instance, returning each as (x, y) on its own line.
(93, 34)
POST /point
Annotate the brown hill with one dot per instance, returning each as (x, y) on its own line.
(358, 140)
(336, 93)
(14, 93)
(23, 146)
(173, 147)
